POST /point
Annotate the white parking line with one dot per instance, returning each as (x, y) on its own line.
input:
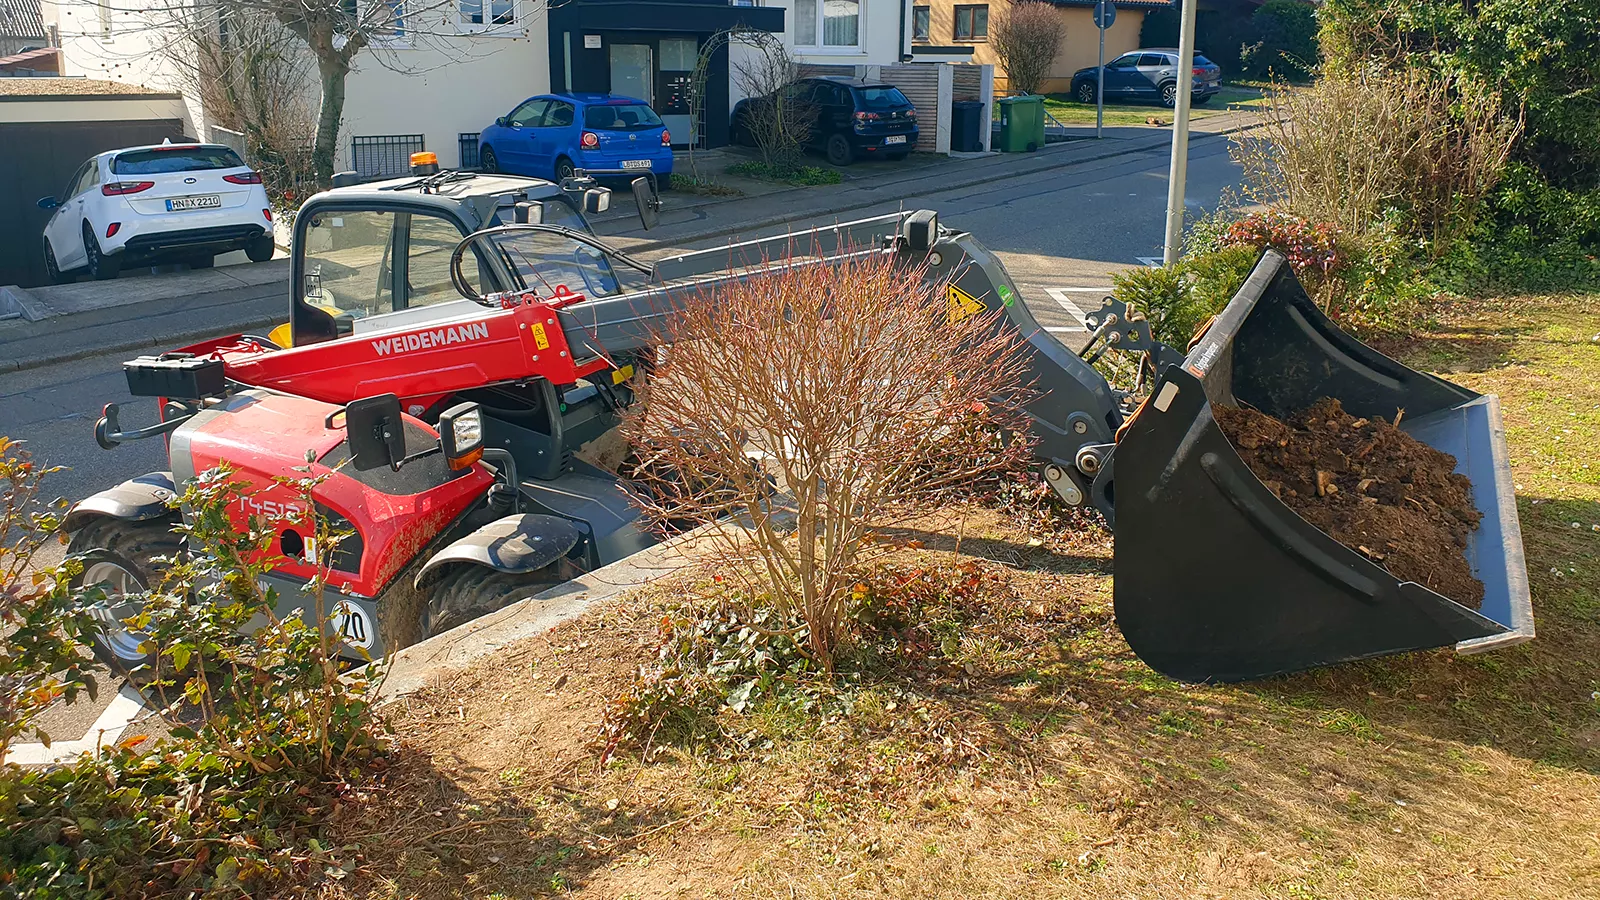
(1074, 306)
(122, 709)
(1154, 262)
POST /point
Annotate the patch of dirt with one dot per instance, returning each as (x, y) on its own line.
(1369, 486)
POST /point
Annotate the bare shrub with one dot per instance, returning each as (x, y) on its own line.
(853, 390)
(781, 117)
(1357, 144)
(1027, 37)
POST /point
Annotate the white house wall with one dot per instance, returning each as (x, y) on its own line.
(444, 86)
(113, 41)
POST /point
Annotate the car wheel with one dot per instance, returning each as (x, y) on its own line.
(52, 270)
(100, 266)
(839, 150)
(203, 261)
(487, 160)
(1084, 92)
(125, 559)
(1169, 94)
(565, 169)
(261, 249)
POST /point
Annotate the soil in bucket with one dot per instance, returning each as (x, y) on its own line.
(1369, 486)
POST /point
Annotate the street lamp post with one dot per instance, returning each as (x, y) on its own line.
(1180, 137)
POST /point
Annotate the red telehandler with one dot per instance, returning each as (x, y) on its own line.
(449, 434)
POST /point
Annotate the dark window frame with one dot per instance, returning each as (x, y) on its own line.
(971, 13)
(925, 13)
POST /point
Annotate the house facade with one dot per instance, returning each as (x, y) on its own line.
(954, 27)
(22, 27)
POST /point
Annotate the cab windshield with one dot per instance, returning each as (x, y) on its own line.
(549, 264)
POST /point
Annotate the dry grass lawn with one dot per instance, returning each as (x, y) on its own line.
(1043, 759)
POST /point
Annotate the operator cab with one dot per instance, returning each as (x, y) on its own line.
(377, 255)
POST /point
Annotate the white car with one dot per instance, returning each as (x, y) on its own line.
(158, 204)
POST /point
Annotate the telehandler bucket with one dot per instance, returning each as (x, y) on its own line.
(1218, 580)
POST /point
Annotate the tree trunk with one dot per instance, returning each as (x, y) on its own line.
(332, 68)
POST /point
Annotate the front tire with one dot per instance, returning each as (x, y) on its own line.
(469, 591)
(487, 161)
(840, 153)
(1084, 92)
(122, 556)
(261, 249)
(100, 266)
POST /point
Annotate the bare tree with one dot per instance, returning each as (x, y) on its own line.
(779, 116)
(857, 390)
(1027, 37)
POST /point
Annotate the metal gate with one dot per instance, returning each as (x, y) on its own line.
(384, 155)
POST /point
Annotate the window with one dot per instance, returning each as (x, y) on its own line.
(837, 22)
(103, 12)
(393, 28)
(486, 13)
(620, 117)
(428, 262)
(160, 160)
(559, 115)
(921, 17)
(348, 263)
(1153, 61)
(528, 114)
(1126, 61)
(972, 23)
(884, 97)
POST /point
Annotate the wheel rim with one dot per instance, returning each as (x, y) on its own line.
(838, 149)
(564, 169)
(50, 266)
(91, 252)
(490, 164)
(1086, 94)
(119, 583)
(1169, 95)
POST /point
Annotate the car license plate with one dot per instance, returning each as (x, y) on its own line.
(895, 139)
(636, 164)
(210, 201)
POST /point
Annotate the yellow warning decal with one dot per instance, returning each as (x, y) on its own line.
(962, 304)
(539, 340)
(618, 376)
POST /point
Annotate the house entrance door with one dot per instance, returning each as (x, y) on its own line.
(632, 71)
(678, 56)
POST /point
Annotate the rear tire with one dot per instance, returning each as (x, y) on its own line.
(100, 266)
(564, 169)
(469, 591)
(487, 161)
(840, 153)
(261, 249)
(1169, 94)
(1084, 92)
(202, 262)
(52, 270)
(122, 555)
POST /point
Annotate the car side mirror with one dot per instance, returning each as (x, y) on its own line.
(649, 203)
(48, 203)
(503, 122)
(375, 431)
(596, 200)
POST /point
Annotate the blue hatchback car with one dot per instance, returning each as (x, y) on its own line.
(553, 135)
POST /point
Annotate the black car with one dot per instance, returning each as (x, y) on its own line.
(1150, 74)
(854, 118)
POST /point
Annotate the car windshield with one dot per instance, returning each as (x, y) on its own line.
(549, 264)
(881, 97)
(1202, 61)
(161, 160)
(620, 117)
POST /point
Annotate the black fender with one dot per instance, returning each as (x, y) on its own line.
(519, 543)
(135, 500)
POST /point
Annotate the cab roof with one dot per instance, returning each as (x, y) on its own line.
(479, 193)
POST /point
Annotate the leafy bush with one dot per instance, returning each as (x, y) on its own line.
(1177, 300)
(267, 736)
(1311, 249)
(1355, 145)
(703, 184)
(800, 176)
(1284, 41)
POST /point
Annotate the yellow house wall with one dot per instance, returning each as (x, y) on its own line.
(1079, 46)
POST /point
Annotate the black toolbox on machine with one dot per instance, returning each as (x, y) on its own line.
(181, 378)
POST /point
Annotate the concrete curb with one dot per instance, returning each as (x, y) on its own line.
(928, 186)
(431, 661)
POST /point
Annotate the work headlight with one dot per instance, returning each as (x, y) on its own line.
(461, 434)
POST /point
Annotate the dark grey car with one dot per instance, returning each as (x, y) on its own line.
(1148, 74)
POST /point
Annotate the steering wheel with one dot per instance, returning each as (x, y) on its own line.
(458, 278)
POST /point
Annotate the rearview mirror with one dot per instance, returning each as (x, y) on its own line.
(596, 200)
(48, 203)
(375, 431)
(644, 194)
